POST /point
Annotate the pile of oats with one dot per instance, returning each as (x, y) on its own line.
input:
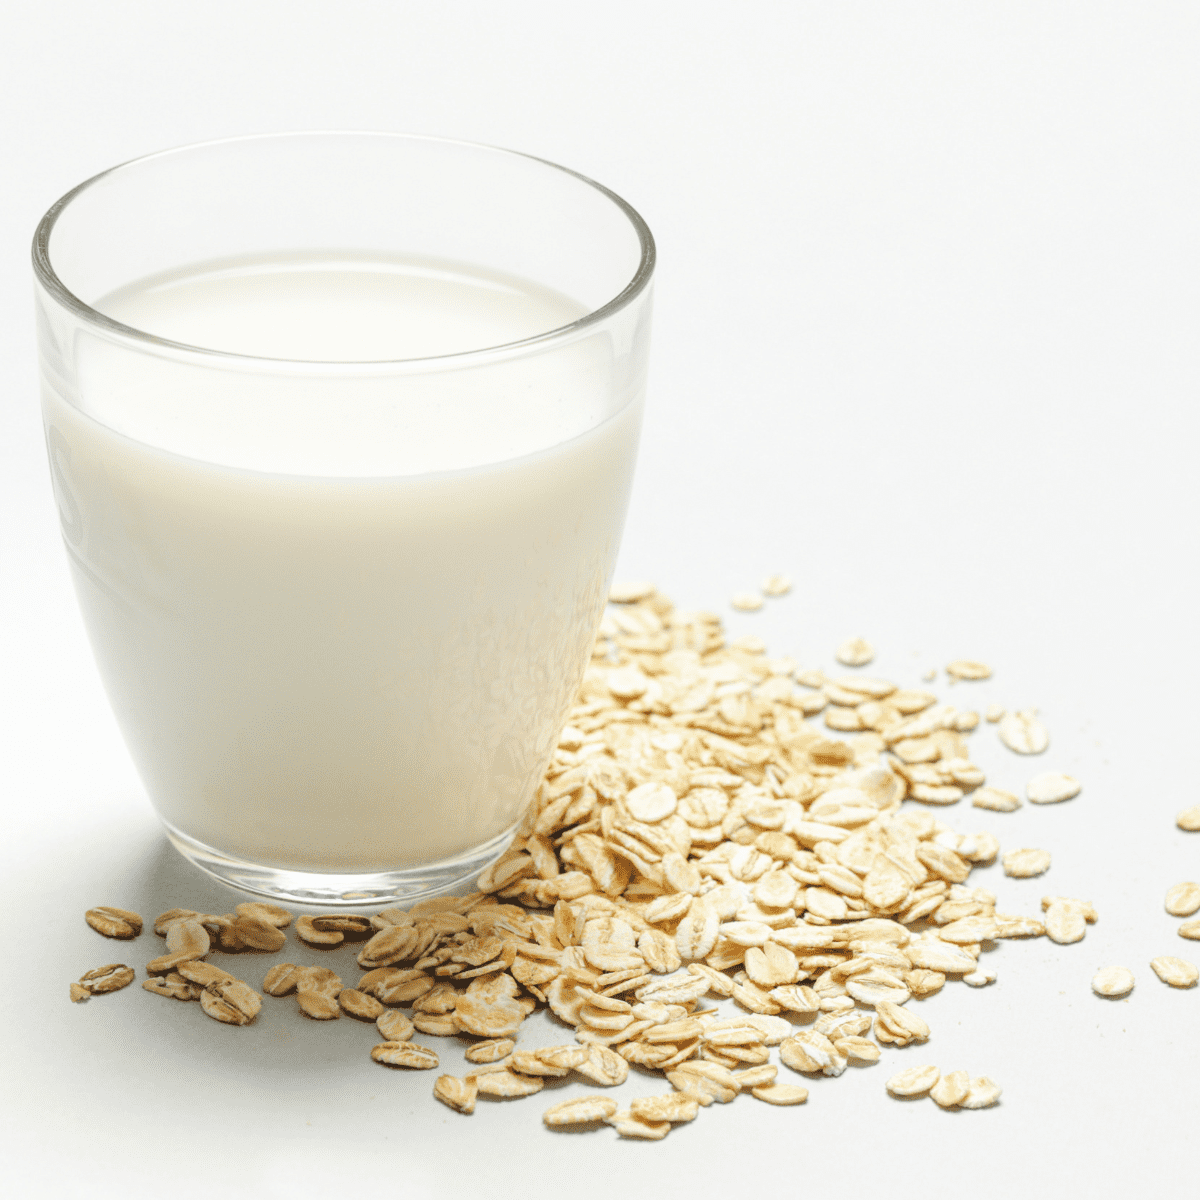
(697, 838)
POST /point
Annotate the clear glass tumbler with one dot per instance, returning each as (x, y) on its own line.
(342, 428)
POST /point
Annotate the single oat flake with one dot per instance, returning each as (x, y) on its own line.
(675, 1107)
(1025, 864)
(1190, 930)
(1023, 733)
(746, 601)
(1113, 981)
(114, 922)
(1177, 972)
(995, 800)
(982, 1093)
(1067, 918)
(458, 1094)
(965, 668)
(489, 1051)
(979, 978)
(231, 1002)
(506, 1085)
(782, 1094)
(1183, 899)
(951, 1090)
(100, 980)
(405, 1054)
(855, 652)
(1189, 818)
(776, 585)
(580, 1111)
(914, 1081)
(1052, 787)
(394, 1026)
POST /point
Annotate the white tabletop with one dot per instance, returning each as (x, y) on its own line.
(925, 341)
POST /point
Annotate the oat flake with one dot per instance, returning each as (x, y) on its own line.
(995, 800)
(1113, 981)
(1052, 787)
(1189, 818)
(1023, 733)
(965, 668)
(1183, 899)
(1177, 972)
(1024, 864)
(914, 1081)
(855, 652)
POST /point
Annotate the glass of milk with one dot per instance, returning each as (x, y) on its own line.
(342, 428)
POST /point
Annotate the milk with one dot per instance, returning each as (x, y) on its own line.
(340, 617)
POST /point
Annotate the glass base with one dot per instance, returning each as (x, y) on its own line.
(328, 890)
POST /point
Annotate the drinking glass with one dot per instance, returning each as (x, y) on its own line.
(342, 428)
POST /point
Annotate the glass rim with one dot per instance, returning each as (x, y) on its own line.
(47, 276)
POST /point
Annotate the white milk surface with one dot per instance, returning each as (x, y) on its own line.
(329, 666)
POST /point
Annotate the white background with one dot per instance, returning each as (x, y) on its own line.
(925, 340)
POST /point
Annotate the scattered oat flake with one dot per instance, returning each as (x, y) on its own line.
(965, 668)
(1177, 972)
(405, 1054)
(603, 1066)
(915, 1081)
(394, 1026)
(492, 1050)
(994, 712)
(1025, 864)
(982, 1093)
(101, 980)
(995, 800)
(1051, 787)
(359, 1004)
(1189, 818)
(455, 1093)
(1065, 923)
(230, 1001)
(508, 1085)
(780, 1093)
(674, 1107)
(1023, 733)
(776, 585)
(855, 652)
(627, 1125)
(1183, 899)
(1113, 981)
(951, 1090)
(114, 922)
(1190, 930)
(746, 601)
(979, 979)
(580, 1111)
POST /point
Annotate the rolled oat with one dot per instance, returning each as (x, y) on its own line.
(1113, 981)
